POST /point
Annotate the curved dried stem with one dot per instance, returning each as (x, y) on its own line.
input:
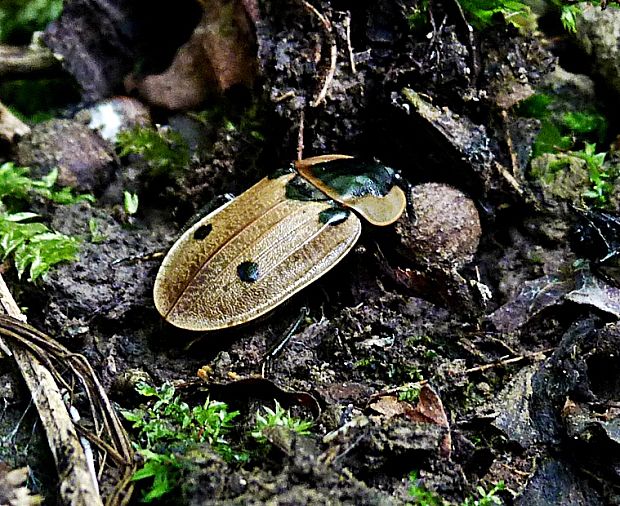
(333, 52)
(49, 369)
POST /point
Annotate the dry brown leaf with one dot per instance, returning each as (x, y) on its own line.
(390, 406)
(429, 409)
(220, 53)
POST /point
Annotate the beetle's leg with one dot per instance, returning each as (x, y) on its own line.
(279, 345)
(406, 186)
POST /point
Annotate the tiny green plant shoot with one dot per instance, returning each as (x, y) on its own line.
(130, 202)
(409, 393)
(31, 244)
(482, 13)
(278, 417)
(420, 495)
(247, 123)
(485, 498)
(96, 236)
(560, 133)
(168, 428)
(602, 179)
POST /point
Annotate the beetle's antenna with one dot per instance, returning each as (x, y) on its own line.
(407, 187)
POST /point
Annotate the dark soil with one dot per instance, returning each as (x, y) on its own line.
(526, 371)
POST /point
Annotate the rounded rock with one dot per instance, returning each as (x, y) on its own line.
(446, 230)
(85, 161)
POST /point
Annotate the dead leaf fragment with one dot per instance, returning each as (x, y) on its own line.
(10, 126)
(596, 293)
(220, 53)
(256, 387)
(390, 406)
(429, 409)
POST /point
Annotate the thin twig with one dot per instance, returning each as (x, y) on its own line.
(329, 77)
(279, 345)
(484, 367)
(471, 43)
(507, 361)
(514, 163)
(333, 52)
(284, 96)
(300, 136)
(347, 28)
(324, 21)
(510, 179)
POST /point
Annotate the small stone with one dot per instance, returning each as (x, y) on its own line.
(114, 115)
(560, 176)
(84, 160)
(446, 230)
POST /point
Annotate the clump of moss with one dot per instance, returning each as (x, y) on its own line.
(168, 429)
(164, 150)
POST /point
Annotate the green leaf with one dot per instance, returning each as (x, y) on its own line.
(133, 416)
(584, 122)
(145, 389)
(26, 16)
(481, 13)
(167, 429)
(536, 106)
(43, 251)
(550, 139)
(568, 17)
(49, 180)
(14, 181)
(17, 217)
(34, 246)
(278, 417)
(96, 237)
(65, 196)
(148, 471)
(13, 233)
(130, 202)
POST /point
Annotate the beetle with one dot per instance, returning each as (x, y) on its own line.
(256, 251)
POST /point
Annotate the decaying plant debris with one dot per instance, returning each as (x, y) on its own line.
(473, 346)
(43, 364)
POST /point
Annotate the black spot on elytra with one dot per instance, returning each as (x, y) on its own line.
(203, 231)
(248, 272)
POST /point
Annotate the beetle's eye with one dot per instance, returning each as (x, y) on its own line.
(203, 231)
(248, 272)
